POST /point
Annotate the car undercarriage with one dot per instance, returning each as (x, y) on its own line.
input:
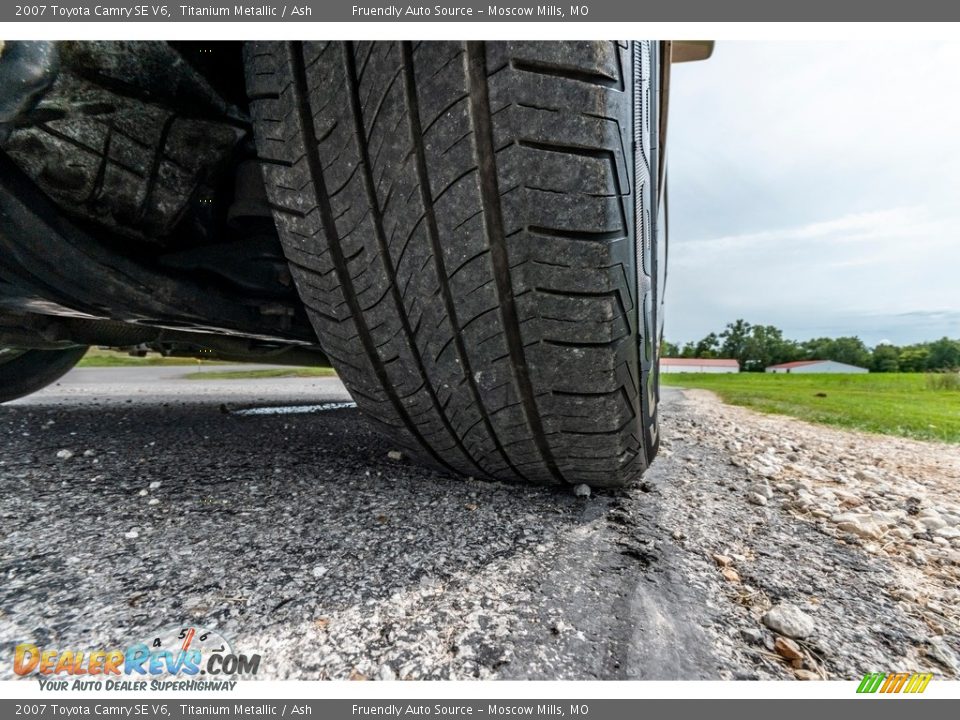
(133, 207)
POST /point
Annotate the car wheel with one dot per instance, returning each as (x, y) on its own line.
(470, 226)
(25, 371)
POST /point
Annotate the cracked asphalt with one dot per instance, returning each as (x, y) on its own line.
(136, 501)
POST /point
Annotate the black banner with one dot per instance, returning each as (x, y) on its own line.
(146, 709)
(470, 11)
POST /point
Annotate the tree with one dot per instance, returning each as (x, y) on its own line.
(669, 349)
(944, 354)
(766, 346)
(914, 358)
(708, 347)
(756, 347)
(850, 350)
(886, 358)
(734, 338)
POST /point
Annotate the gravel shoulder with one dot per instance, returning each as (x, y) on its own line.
(858, 531)
(755, 547)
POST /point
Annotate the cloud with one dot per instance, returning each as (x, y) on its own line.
(855, 227)
(814, 186)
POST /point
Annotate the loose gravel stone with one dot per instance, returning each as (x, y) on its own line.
(730, 575)
(789, 620)
(788, 648)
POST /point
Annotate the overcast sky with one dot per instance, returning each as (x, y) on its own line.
(816, 187)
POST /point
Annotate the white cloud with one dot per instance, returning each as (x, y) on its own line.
(814, 185)
(855, 227)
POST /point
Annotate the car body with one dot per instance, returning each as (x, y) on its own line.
(134, 211)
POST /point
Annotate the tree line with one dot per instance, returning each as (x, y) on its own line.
(756, 347)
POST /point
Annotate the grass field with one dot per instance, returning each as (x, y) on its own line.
(279, 372)
(96, 357)
(890, 403)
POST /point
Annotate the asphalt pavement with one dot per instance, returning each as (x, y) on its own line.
(135, 501)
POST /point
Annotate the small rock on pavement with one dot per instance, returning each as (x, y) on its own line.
(722, 560)
(752, 635)
(319, 571)
(803, 674)
(395, 455)
(757, 498)
(64, 454)
(131, 534)
(154, 485)
(857, 525)
(788, 648)
(386, 673)
(789, 620)
(582, 490)
(730, 575)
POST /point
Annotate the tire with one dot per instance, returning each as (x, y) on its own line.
(127, 135)
(25, 371)
(462, 222)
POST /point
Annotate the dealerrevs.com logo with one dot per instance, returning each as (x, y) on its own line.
(183, 658)
(909, 683)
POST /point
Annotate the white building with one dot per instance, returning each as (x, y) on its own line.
(698, 365)
(815, 366)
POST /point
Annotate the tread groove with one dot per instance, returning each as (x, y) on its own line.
(353, 90)
(302, 98)
(567, 72)
(493, 220)
(434, 235)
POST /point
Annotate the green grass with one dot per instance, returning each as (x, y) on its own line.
(280, 372)
(97, 357)
(904, 404)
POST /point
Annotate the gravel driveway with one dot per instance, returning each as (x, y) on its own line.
(756, 547)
